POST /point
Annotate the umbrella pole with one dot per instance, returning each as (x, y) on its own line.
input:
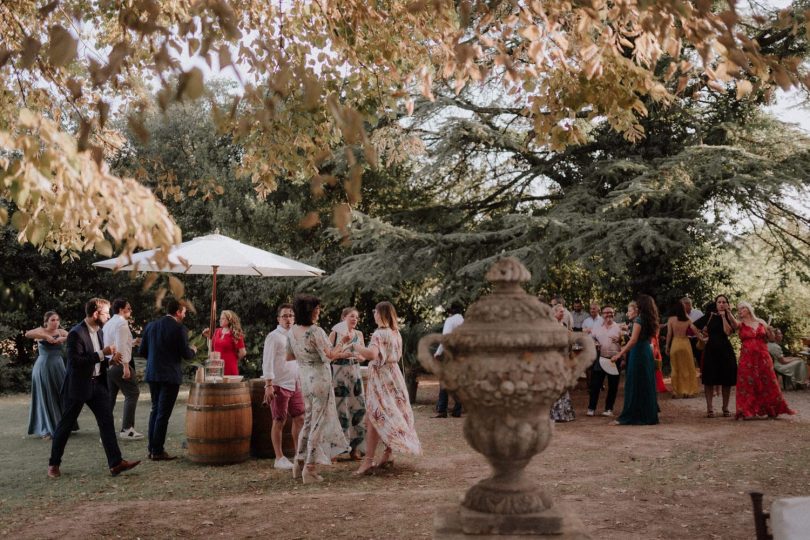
(212, 322)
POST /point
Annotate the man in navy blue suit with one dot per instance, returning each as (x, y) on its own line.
(86, 383)
(164, 344)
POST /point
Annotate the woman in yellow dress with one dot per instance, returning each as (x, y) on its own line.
(684, 375)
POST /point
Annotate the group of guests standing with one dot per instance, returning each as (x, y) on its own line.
(315, 379)
(310, 376)
(99, 365)
(692, 338)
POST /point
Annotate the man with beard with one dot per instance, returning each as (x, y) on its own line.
(86, 383)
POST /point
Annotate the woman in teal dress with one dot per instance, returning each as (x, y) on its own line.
(640, 397)
(47, 377)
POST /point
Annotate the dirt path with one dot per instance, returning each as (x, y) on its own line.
(686, 478)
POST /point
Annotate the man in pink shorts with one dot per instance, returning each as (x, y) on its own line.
(282, 390)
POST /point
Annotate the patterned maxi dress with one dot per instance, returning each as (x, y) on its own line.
(349, 398)
(387, 406)
(758, 392)
(321, 438)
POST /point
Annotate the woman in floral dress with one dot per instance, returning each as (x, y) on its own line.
(347, 382)
(321, 437)
(562, 410)
(758, 392)
(389, 417)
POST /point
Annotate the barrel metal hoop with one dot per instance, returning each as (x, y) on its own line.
(229, 406)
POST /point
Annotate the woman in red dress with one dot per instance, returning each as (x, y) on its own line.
(229, 341)
(660, 387)
(758, 392)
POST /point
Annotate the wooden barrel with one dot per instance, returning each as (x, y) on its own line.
(218, 423)
(261, 445)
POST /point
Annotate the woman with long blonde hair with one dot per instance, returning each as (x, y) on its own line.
(229, 341)
(758, 392)
(389, 417)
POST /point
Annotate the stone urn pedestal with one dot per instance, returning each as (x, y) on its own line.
(508, 363)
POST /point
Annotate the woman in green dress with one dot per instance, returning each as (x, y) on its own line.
(640, 397)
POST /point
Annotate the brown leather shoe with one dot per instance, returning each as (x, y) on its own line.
(53, 471)
(161, 457)
(123, 466)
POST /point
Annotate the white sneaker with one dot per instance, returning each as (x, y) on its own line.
(129, 435)
(590, 412)
(283, 463)
(607, 413)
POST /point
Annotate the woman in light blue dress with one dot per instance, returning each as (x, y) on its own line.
(47, 377)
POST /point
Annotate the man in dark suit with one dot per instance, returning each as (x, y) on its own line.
(164, 344)
(86, 383)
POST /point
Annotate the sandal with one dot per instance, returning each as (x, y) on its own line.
(726, 413)
(710, 414)
(386, 462)
(366, 468)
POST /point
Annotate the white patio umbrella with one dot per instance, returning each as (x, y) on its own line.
(214, 254)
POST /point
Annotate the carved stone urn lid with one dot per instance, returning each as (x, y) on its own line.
(508, 317)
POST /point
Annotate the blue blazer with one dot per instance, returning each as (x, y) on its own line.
(81, 359)
(164, 343)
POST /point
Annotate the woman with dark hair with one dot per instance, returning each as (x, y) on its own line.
(47, 377)
(321, 438)
(679, 350)
(389, 417)
(719, 364)
(758, 392)
(640, 399)
(347, 382)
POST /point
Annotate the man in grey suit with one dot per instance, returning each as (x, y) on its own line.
(86, 383)
(164, 344)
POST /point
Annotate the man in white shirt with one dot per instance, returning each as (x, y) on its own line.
(593, 318)
(451, 323)
(607, 335)
(693, 313)
(282, 389)
(122, 376)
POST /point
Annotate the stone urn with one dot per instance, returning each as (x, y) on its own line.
(507, 363)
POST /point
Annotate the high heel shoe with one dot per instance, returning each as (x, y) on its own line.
(298, 465)
(386, 462)
(366, 468)
(310, 476)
